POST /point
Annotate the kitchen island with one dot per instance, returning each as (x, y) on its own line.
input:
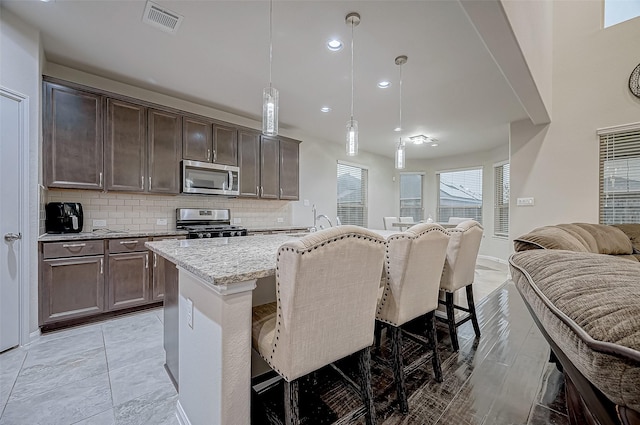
(216, 282)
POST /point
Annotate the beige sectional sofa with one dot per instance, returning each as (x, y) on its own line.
(581, 284)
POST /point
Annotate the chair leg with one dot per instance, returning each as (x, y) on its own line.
(472, 309)
(291, 409)
(364, 364)
(431, 335)
(377, 336)
(451, 318)
(398, 368)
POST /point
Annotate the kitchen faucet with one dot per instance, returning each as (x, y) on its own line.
(326, 218)
(316, 217)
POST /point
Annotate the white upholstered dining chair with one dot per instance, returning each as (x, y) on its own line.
(413, 267)
(388, 223)
(459, 272)
(326, 289)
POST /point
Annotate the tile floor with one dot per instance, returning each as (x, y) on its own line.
(107, 373)
(100, 374)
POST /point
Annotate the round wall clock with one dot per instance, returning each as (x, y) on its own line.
(634, 81)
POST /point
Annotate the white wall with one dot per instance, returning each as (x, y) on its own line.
(497, 247)
(20, 66)
(558, 164)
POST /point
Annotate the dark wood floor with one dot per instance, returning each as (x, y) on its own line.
(501, 378)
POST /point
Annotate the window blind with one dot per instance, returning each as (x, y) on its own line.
(460, 195)
(620, 176)
(352, 194)
(411, 196)
(501, 201)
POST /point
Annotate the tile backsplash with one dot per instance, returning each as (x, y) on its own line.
(141, 212)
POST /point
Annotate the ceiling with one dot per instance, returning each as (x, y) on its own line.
(452, 89)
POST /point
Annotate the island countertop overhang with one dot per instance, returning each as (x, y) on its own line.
(223, 262)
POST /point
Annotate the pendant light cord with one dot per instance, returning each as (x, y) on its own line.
(352, 26)
(270, 39)
(400, 142)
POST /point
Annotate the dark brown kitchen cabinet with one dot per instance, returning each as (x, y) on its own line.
(225, 141)
(158, 275)
(197, 139)
(164, 151)
(249, 162)
(71, 280)
(125, 146)
(72, 134)
(269, 168)
(128, 277)
(289, 169)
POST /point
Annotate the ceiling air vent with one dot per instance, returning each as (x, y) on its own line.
(161, 18)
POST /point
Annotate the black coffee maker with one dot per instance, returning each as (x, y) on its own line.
(63, 217)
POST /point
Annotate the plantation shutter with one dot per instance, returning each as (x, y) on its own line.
(620, 175)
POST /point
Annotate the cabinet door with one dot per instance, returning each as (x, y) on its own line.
(72, 138)
(128, 280)
(269, 168)
(158, 275)
(165, 147)
(125, 146)
(197, 140)
(71, 288)
(289, 165)
(249, 162)
(226, 145)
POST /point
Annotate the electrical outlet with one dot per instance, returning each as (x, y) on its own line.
(161, 222)
(190, 313)
(280, 220)
(237, 220)
(306, 202)
(99, 223)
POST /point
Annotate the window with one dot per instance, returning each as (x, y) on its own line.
(460, 195)
(411, 195)
(616, 11)
(620, 175)
(352, 194)
(501, 201)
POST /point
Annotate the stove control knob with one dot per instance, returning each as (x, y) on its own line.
(207, 235)
(200, 236)
(220, 234)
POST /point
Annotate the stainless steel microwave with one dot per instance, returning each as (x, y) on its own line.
(210, 179)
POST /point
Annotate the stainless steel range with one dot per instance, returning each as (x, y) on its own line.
(202, 223)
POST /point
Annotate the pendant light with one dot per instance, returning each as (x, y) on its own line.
(270, 94)
(400, 152)
(352, 19)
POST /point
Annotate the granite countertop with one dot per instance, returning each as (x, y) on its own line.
(224, 261)
(279, 229)
(57, 237)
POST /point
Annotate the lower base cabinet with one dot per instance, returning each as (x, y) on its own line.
(81, 279)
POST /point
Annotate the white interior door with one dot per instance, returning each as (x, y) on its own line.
(11, 138)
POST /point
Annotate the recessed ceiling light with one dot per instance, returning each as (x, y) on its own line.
(434, 145)
(384, 84)
(325, 109)
(397, 129)
(334, 45)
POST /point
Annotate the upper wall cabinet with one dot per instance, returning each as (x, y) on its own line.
(289, 169)
(72, 138)
(208, 142)
(125, 146)
(249, 162)
(164, 149)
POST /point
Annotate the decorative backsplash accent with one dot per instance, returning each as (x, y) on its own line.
(141, 212)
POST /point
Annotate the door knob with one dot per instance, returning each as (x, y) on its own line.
(10, 237)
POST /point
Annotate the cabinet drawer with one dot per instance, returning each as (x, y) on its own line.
(72, 249)
(127, 245)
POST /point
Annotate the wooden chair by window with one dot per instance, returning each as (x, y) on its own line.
(325, 309)
(413, 267)
(459, 272)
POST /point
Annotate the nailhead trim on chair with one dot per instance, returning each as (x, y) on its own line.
(301, 252)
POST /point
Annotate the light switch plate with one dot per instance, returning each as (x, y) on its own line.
(237, 220)
(525, 202)
(161, 222)
(280, 220)
(99, 223)
(305, 203)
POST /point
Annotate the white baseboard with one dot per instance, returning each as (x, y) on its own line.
(181, 415)
(495, 259)
(34, 336)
